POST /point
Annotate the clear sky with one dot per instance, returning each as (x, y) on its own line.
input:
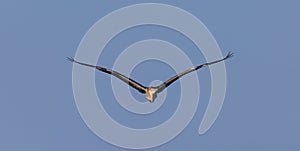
(261, 108)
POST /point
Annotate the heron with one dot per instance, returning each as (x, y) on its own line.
(152, 91)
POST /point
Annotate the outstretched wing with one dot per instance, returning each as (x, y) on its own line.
(125, 79)
(174, 78)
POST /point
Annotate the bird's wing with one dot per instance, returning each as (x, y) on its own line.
(125, 79)
(174, 78)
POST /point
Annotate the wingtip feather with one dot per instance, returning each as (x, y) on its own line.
(70, 59)
(229, 55)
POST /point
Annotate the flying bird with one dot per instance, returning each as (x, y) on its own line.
(151, 92)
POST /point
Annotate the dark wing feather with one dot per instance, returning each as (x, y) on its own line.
(125, 79)
(173, 79)
(176, 77)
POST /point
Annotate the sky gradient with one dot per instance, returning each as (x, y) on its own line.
(261, 108)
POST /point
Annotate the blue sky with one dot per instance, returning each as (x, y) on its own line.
(261, 108)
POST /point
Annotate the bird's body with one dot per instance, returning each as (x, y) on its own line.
(151, 92)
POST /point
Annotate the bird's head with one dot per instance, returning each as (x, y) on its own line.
(151, 94)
